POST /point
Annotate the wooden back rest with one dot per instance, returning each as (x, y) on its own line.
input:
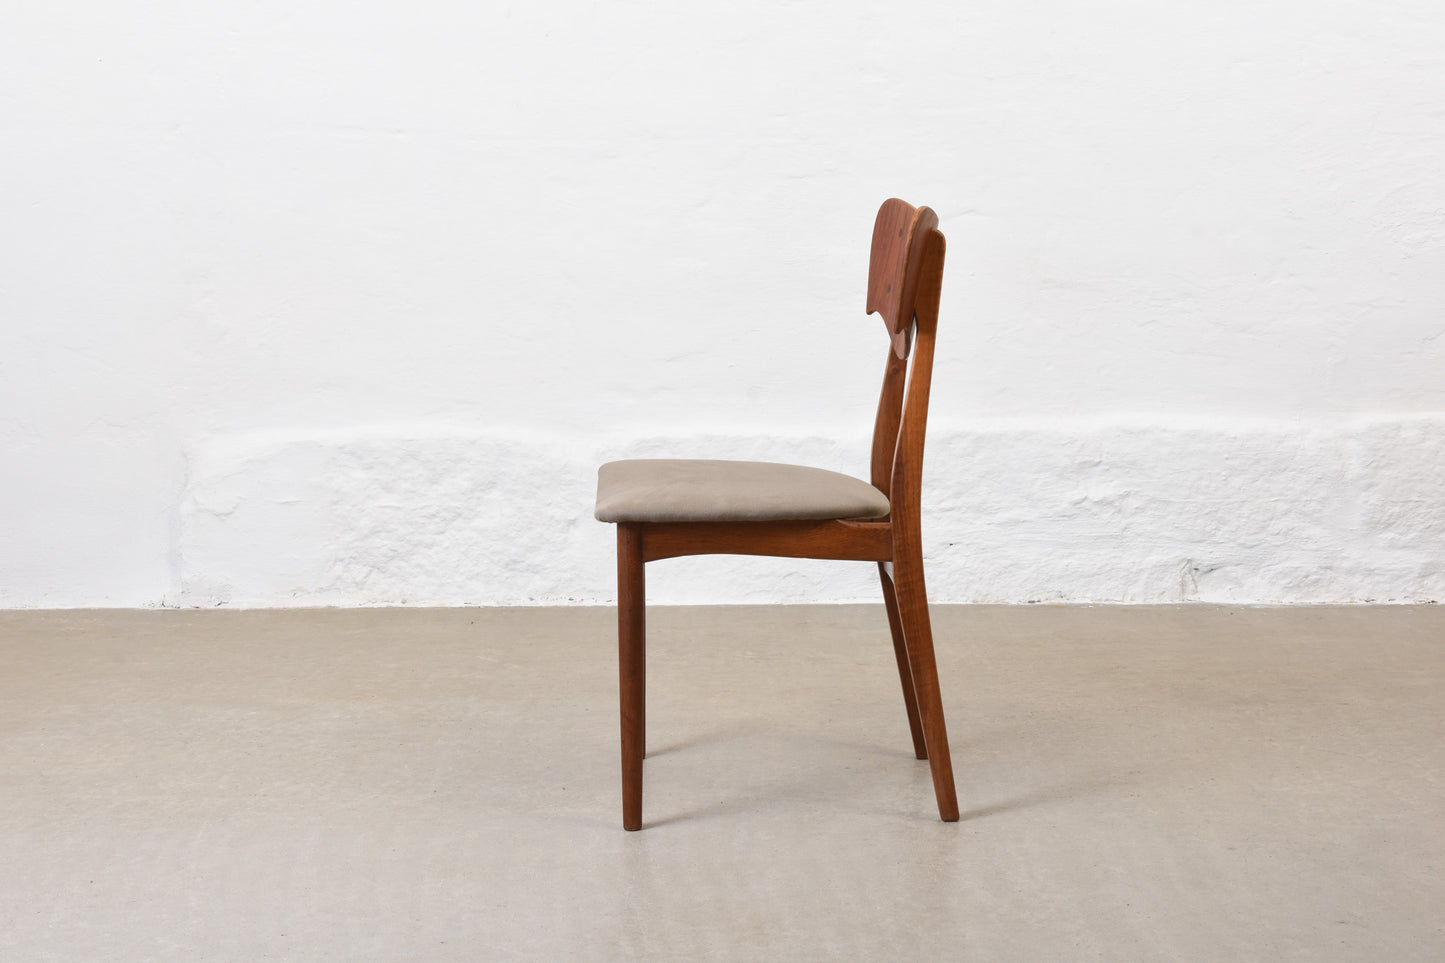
(905, 274)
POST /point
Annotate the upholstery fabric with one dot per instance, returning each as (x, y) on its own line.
(693, 490)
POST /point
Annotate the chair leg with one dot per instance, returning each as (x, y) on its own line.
(632, 668)
(918, 634)
(900, 653)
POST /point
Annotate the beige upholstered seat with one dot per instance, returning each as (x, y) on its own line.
(687, 490)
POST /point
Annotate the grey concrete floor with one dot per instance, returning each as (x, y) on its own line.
(1137, 783)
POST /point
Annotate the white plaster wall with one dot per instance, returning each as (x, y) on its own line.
(341, 303)
(1203, 509)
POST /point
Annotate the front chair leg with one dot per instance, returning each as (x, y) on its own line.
(918, 633)
(632, 667)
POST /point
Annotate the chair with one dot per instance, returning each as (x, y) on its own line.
(669, 508)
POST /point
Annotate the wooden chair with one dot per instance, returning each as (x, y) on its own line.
(669, 508)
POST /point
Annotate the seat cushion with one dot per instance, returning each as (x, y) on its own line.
(689, 490)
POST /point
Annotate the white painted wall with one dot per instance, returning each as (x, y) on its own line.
(341, 303)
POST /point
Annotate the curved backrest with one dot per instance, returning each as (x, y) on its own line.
(905, 275)
(894, 263)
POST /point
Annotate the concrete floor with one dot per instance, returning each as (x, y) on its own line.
(1137, 783)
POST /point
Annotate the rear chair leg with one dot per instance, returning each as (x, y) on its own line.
(918, 635)
(632, 668)
(900, 653)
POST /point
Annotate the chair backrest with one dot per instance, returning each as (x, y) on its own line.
(905, 276)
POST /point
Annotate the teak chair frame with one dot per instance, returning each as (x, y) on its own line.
(905, 274)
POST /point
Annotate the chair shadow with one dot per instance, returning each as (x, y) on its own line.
(898, 748)
(709, 737)
(1062, 792)
(713, 736)
(1042, 796)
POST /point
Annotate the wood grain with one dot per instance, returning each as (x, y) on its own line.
(893, 265)
(906, 498)
(632, 663)
(829, 538)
